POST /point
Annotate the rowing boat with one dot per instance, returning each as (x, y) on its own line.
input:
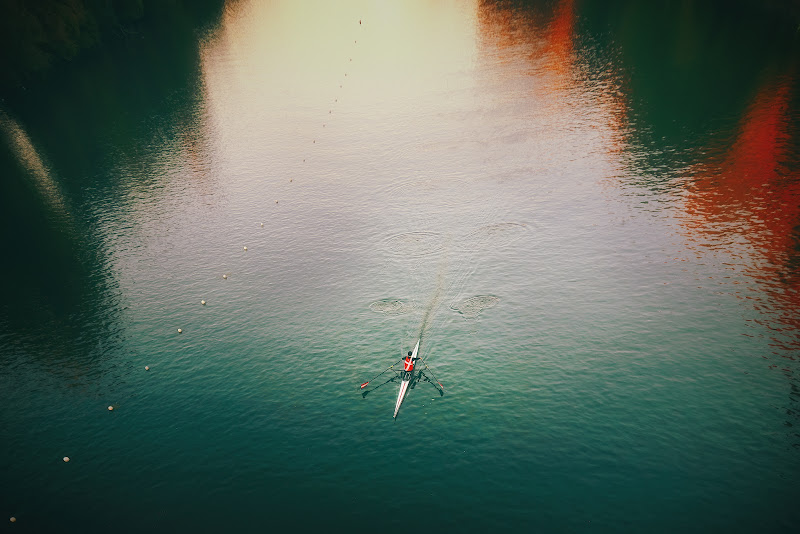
(412, 372)
(404, 385)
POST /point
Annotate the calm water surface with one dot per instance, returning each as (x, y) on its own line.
(587, 210)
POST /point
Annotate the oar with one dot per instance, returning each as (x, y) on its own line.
(433, 375)
(427, 379)
(367, 392)
(379, 374)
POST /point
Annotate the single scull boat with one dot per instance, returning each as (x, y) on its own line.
(408, 375)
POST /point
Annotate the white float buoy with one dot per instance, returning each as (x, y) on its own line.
(146, 367)
(66, 458)
(110, 408)
(12, 519)
(245, 248)
(262, 225)
(224, 276)
(203, 302)
(180, 331)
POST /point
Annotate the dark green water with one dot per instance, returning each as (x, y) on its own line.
(588, 210)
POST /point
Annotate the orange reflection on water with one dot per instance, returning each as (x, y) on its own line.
(578, 103)
(559, 39)
(749, 194)
(515, 31)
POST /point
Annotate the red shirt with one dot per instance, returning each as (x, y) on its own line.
(409, 364)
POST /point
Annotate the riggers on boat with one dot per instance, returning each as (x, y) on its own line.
(411, 373)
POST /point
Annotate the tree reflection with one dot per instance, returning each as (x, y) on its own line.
(694, 102)
(74, 146)
(743, 204)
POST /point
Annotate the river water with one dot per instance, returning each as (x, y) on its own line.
(587, 211)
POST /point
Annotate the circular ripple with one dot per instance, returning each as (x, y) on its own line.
(391, 306)
(413, 187)
(426, 186)
(415, 244)
(473, 306)
(493, 235)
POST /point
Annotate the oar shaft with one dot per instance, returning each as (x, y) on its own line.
(433, 375)
(379, 374)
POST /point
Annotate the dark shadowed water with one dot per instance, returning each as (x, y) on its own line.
(588, 211)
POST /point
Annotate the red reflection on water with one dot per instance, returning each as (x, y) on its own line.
(546, 39)
(744, 201)
(559, 39)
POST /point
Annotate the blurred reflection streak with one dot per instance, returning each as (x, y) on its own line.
(28, 156)
(749, 193)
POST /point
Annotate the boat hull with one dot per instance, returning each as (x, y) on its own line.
(404, 385)
(401, 396)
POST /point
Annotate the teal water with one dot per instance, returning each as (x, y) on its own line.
(588, 211)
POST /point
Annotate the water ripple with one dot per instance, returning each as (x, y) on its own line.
(415, 244)
(473, 306)
(492, 236)
(391, 306)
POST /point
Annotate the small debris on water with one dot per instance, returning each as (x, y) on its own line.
(110, 408)
(66, 458)
(245, 248)
(203, 302)
(180, 331)
(262, 224)
(224, 276)
(146, 367)
(12, 519)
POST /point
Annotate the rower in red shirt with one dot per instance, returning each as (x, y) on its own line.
(408, 367)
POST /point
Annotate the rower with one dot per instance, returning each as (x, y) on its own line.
(408, 366)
